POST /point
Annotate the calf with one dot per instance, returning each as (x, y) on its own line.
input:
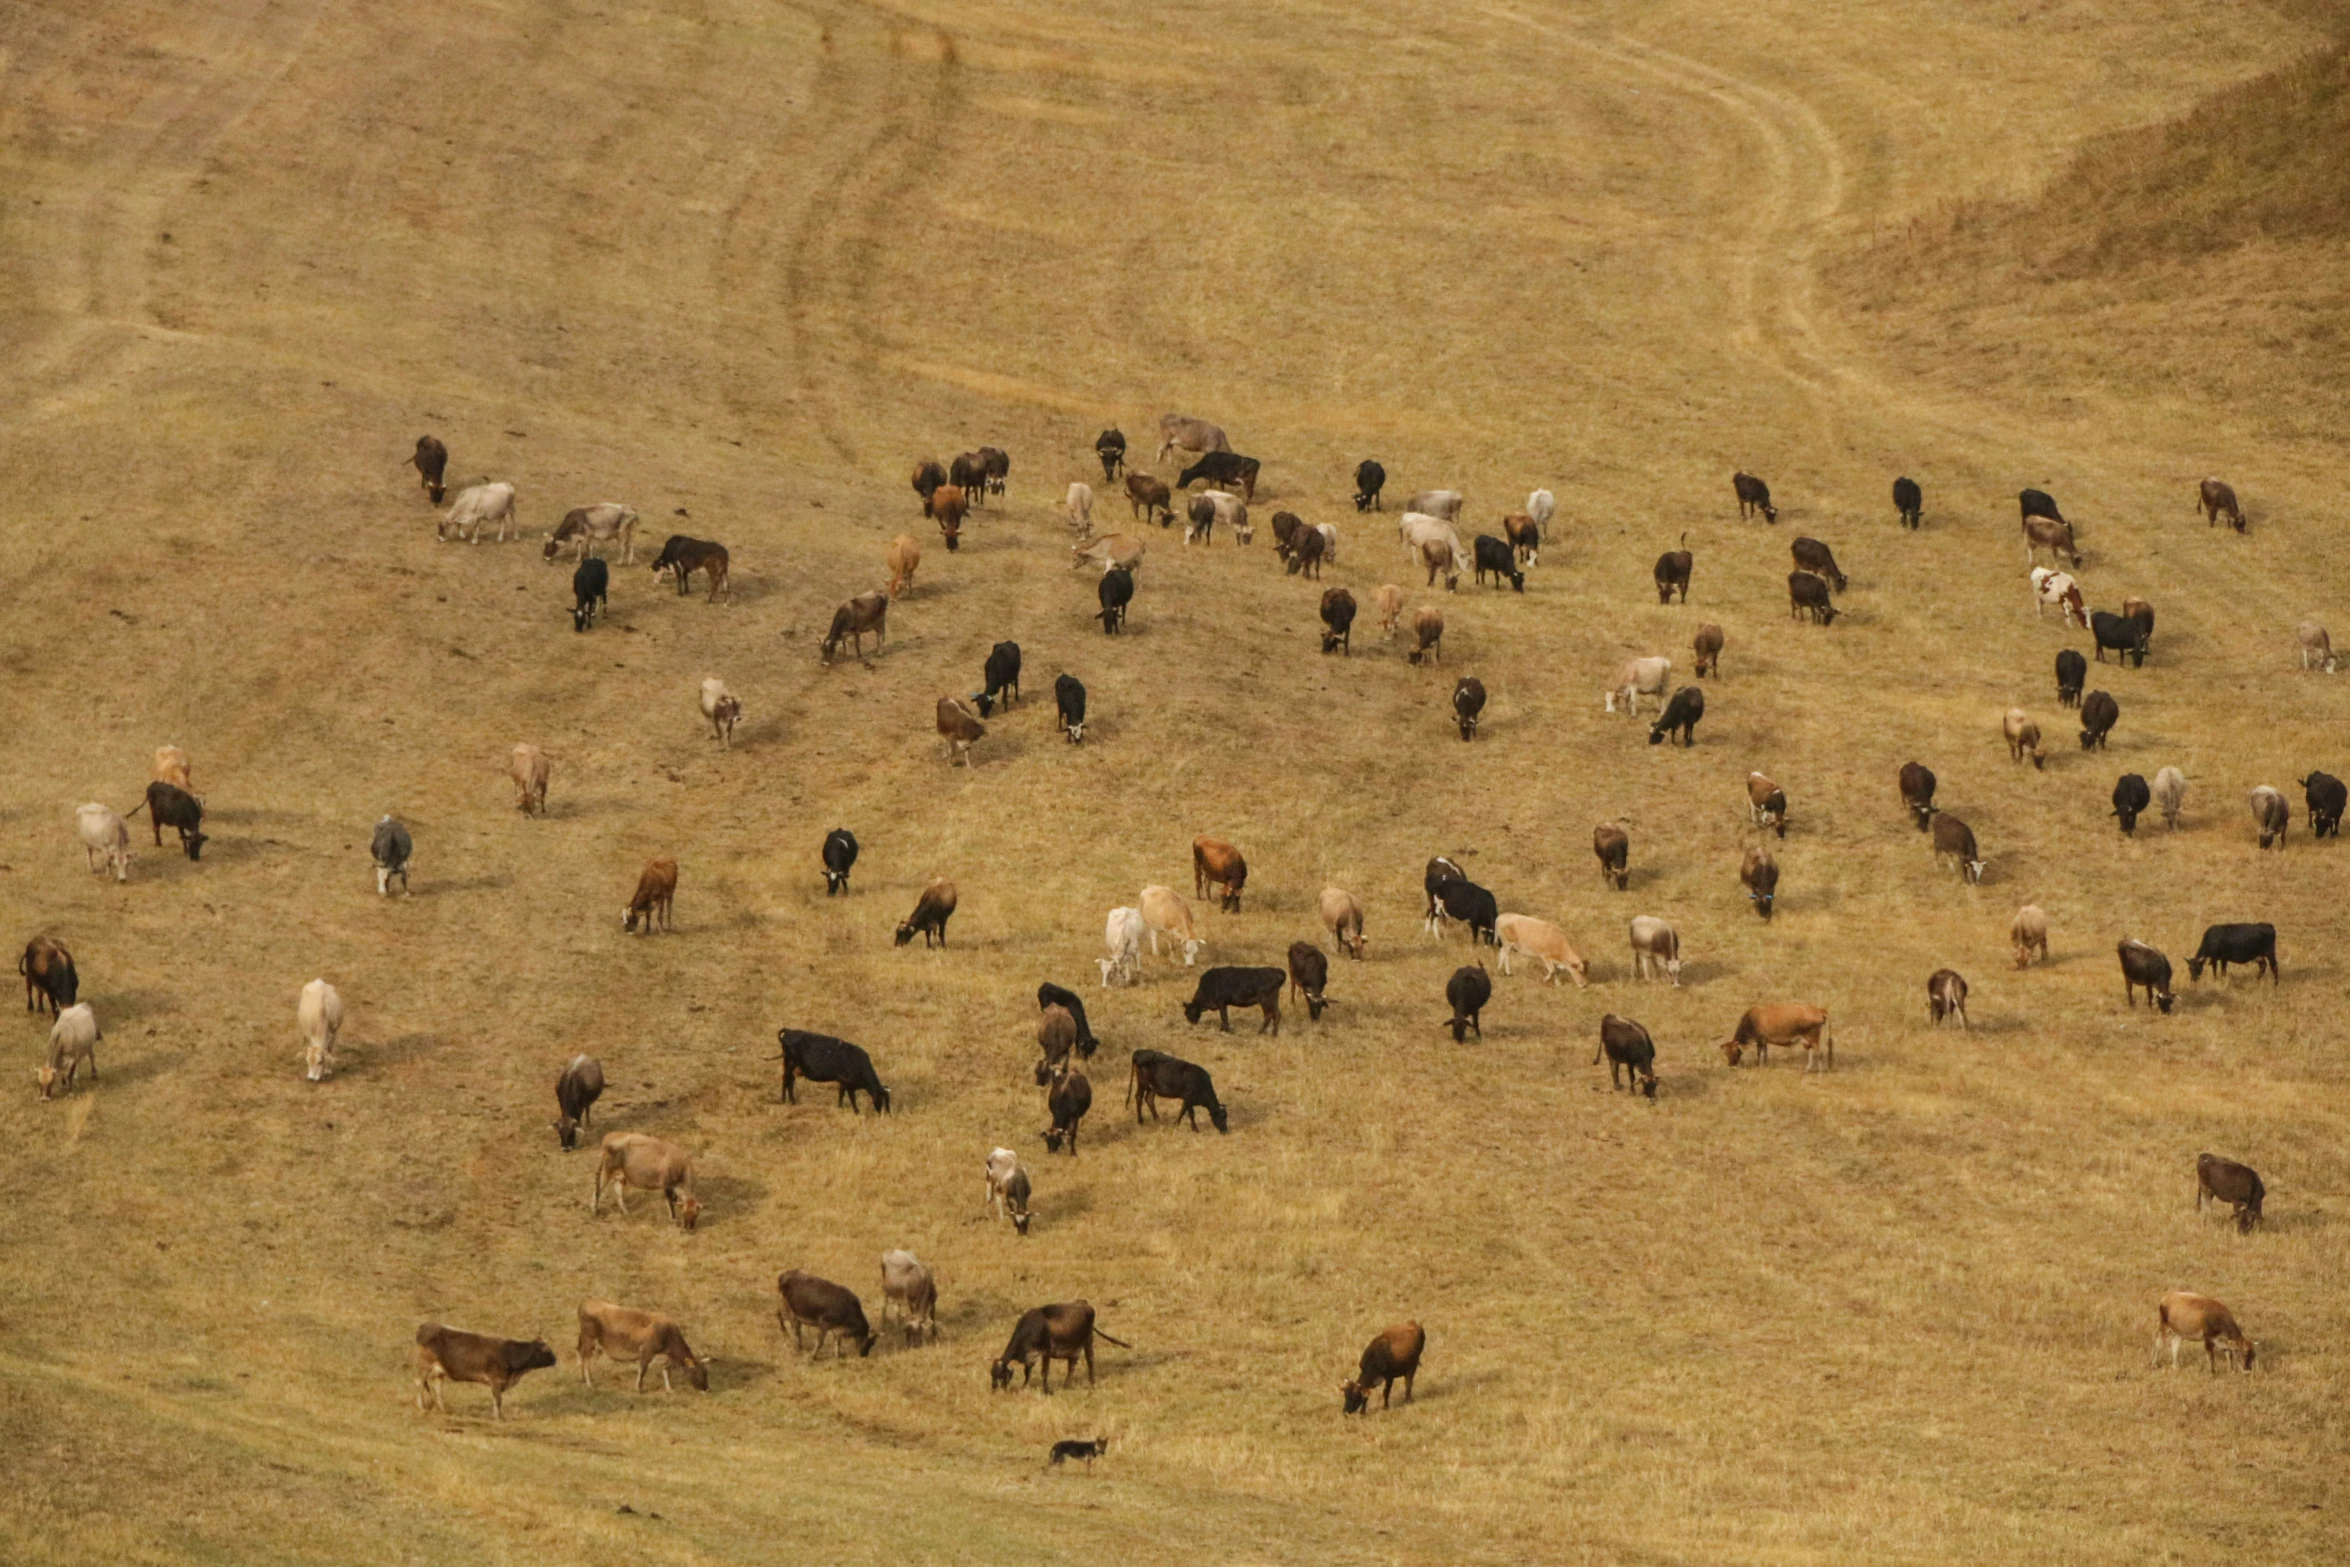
(2130, 797)
(168, 805)
(840, 855)
(820, 1058)
(2327, 797)
(867, 612)
(2027, 932)
(1468, 703)
(2223, 1180)
(1656, 949)
(1217, 864)
(1069, 704)
(905, 557)
(833, 1310)
(1753, 496)
(1910, 501)
(1338, 618)
(1063, 1332)
(648, 1164)
(106, 840)
(1342, 916)
(2271, 815)
(50, 983)
(2072, 672)
(2099, 713)
(682, 557)
(391, 849)
(1766, 803)
(932, 910)
(656, 891)
(318, 1015)
(1222, 989)
(947, 506)
(1428, 634)
(577, 1089)
(1629, 1051)
(1370, 479)
(1467, 992)
(2145, 968)
(1110, 447)
(1815, 557)
(73, 1038)
(1003, 679)
(722, 710)
(1149, 497)
(1946, 996)
(1157, 1076)
(451, 1355)
(2170, 792)
(2215, 498)
(1500, 559)
(1707, 645)
(1672, 573)
(1542, 941)
(1955, 840)
(2125, 636)
(591, 593)
(1391, 1357)
(960, 728)
(431, 463)
(2182, 1315)
(1008, 1188)
(1309, 976)
(528, 767)
(1612, 847)
(1782, 1023)
(625, 1333)
(1759, 874)
(2224, 945)
(906, 1283)
(1807, 598)
(1680, 715)
(1115, 591)
(1069, 1098)
(1917, 792)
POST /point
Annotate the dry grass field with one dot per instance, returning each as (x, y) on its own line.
(748, 262)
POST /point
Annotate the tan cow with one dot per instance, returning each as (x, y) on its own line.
(1112, 549)
(907, 1282)
(1542, 941)
(960, 728)
(171, 767)
(1655, 949)
(656, 890)
(2029, 931)
(1389, 598)
(453, 1355)
(904, 556)
(1638, 678)
(2184, 1315)
(106, 839)
(529, 770)
(649, 1164)
(626, 1333)
(319, 1015)
(2317, 648)
(1343, 917)
(1165, 912)
(1080, 504)
(1782, 1023)
(2023, 737)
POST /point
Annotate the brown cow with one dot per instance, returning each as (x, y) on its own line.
(868, 611)
(1059, 1332)
(50, 983)
(1672, 573)
(948, 505)
(625, 1333)
(2215, 498)
(684, 557)
(1215, 863)
(1428, 630)
(1782, 1023)
(1708, 646)
(656, 890)
(1766, 803)
(1437, 555)
(649, 1164)
(932, 910)
(1613, 848)
(960, 728)
(451, 1355)
(1394, 1355)
(2184, 1315)
(1946, 996)
(1149, 496)
(1525, 537)
(1343, 916)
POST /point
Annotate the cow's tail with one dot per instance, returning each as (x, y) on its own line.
(136, 809)
(1121, 1343)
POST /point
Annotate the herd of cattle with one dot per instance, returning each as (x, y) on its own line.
(1428, 528)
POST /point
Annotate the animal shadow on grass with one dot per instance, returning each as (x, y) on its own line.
(488, 881)
(392, 1053)
(117, 1007)
(722, 1196)
(144, 1066)
(1694, 971)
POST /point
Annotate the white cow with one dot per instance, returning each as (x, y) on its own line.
(2317, 648)
(1655, 948)
(1638, 678)
(2170, 792)
(1418, 528)
(907, 1282)
(1438, 503)
(1007, 1188)
(1123, 936)
(1329, 532)
(1542, 506)
(475, 508)
(1081, 510)
(1165, 912)
(73, 1039)
(319, 1015)
(599, 524)
(106, 839)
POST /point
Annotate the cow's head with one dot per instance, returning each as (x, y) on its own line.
(46, 1076)
(195, 845)
(2162, 1001)
(1647, 1080)
(1217, 1118)
(1974, 874)
(314, 1062)
(698, 1373)
(999, 1376)
(566, 1132)
(1358, 1397)
(689, 1213)
(905, 934)
(549, 553)
(1734, 1051)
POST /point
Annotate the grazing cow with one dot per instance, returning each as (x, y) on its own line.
(1467, 992)
(1440, 870)
(1309, 551)
(656, 891)
(1056, 1036)
(1759, 874)
(2054, 537)
(2238, 1185)
(840, 853)
(1063, 1332)
(1441, 559)
(947, 506)
(904, 557)
(529, 769)
(73, 1039)
(868, 611)
(1221, 469)
(723, 709)
(1181, 432)
(1110, 447)
(1115, 592)
(1079, 502)
(1917, 792)
(625, 1333)
(1541, 506)
(1338, 618)
(1122, 935)
(1370, 479)
(1672, 573)
(1217, 864)
(1955, 840)
(1394, 1355)
(1612, 847)
(1458, 898)
(476, 508)
(1655, 949)
(1766, 803)
(1438, 503)
(960, 728)
(106, 840)
(1545, 943)
(452, 1355)
(907, 1284)
(1707, 644)
(1211, 507)
(2125, 636)
(2023, 737)
(2038, 503)
(1946, 996)
(1910, 501)
(682, 557)
(577, 1089)
(1630, 1054)
(833, 1310)
(50, 982)
(820, 1058)
(1221, 989)
(2130, 797)
(968, 472)
(1309, 976)
(1389, 598)
(650, 1165)
(1753, 496)
(392, 849)
(1500, 559)
(171, 766)
(932, 910)
(1149, 498)
(168, 805)
(1680, 716)
(2029, 932)
(1342, 916)
(1069, 704)
(2215, 498)
(1156, 1076)
(2170, 792)
(1782, 1023)
(1428, 633)
(585, 526)
(1468, 701)
(929, 475)
(1524, 535)
(2144, 967)
(2182, 1315)
(2072, 672)
(1638, 678)
(2271, 814)
(1807, 599)
(1286, 526)
(1067, 1100)
(2317, 648)
(319, 1017)
(2327, 798)
(431, 463)
(1002, 674)
(1815, 557)
(997, 465)
(2099, 713)
(2057, 588)
(591, 593)
(2224, 945)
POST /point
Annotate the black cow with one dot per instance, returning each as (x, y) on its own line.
(591, 590)
(968, 473)
(2099, 713)
(1003, 679)
(168, 805)
(2130, 796)
(50, 982)
(2237, 1185)
(1049, 994)
(1158, 1076)
(2144, 967)
(1463, 900)
(1338, 619)
(1627, 1046)
(1110, 447)
(930, 476)
(686, 556)
(1496, 556)
(431, 463)
(1815, 557)
(1672, 573)
(996, 463)
(1910, 501)
(1069, 1098)
(1309, 975)
(2125, 636)
(1753, 496)
(1440, 870)
(1682, 714)
(1223, 470)
(1069, 698)
(2039, 503)
(2072, 672)
(1917, 792)
(1467, 991)
(1807, 598)
(2327, 797)
(2226, 944)
(840, 852)
(1116, 592)
(1370, 479)
(1468, 700)
(1222, 989)
(820, 1058)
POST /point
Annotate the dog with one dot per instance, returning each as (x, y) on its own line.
(1089, 1451)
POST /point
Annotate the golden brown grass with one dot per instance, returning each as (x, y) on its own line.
(752, 262)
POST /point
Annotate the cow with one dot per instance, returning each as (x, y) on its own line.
(168, 805)
(1056, 1035)
(1466, 993)
(1217, 864)
(2144, 967)
(1545, 943)
(1707, 645)
(2182, 1315)
(1221, 989)
(656, 892)
(1955, 840)
(171, 766)
(1211, 507)
(929, 475)
(475, 508)
(1468, 703)
(2057, 588)
(585, 526)
(906, 1283)
(1394, 1355)
(2038, 503)
(1066, 1101)
(2125, 636)
(431, 463)
(1309, 976)
(1148, 497)
(453, 1355)
(1287, 525)
(591, 593)
(1496, 556)
(1342, 916)
(1946, 997)
(391, 848)
(1656, 949)
(2099, 713)
(1182, 432)
(2054, 537)
(1753, 496)
(2170, 792)
(73, 1038)
(2238, 1185)
(1766, 804)
(1445, 504)
(1155, 1076)
(1815, 557)
(2023, 737)
(905, 556)
(1064, 1332)
(968, 473)
(839, 854)
(867, 612)
(1079, 503)
(2327, 797)
(682, 557)
(50, 982)
(1672, 573)
(960, 728)
(1309, 551)
(1389, 598)
(1008, 1189)
(528, 767)
(1069, 705)
(1524, 535)
(1637, 678)
(1002, 674)
(1541, 506)
(947, 506)
(1443, 560)
(1910, 501)
(1782, 1023)
(1338, 618)
(1221, 469)
(1612, 847)
(648, 1164)
(2229, 944)
(996, 464)
(1428, 633)
(2271, 815)
(722, 709)
(1458, 898)
(2317, 648)
(833, 1310)
(625, 1333)
(1440, 870)
(2215, 498)
(106, 840)
(1917, 793)
(1370, 479)
(1758, 873)
(318, 1015)
(1630, 1054)
(932, 910)
(2072, 672)
(1115, 592)
(1110, 447)
(820, 1058)
(2130, 798)
(2028, 932)
(577, 1088)
(1680, 715)
(1122, 934)
(1807, 599)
